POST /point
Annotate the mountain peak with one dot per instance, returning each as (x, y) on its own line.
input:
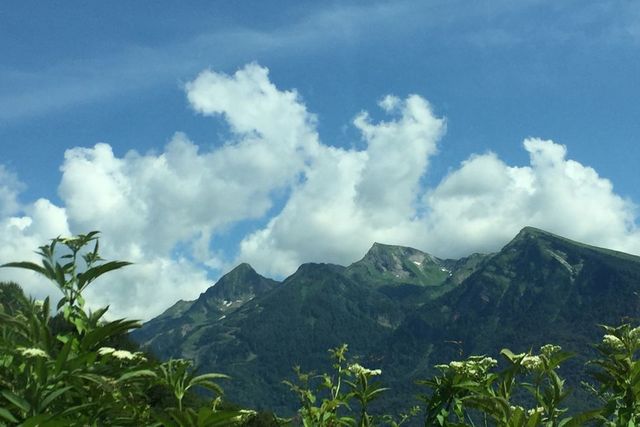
(529, 231)
(242, 280)
(383, 253)
(242, 268)
(530, 234)
(388, 264)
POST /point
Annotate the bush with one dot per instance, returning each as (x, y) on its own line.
(65, 370)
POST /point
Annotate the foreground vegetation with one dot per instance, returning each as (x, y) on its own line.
(75, 368)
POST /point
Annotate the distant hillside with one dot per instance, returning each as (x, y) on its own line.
(402, 310)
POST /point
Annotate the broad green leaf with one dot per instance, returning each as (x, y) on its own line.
(28, 266)
(52, 396)
(93, 273)
(4, 413)
(18, 401)
(103, 332)
(62, 356)
(580, 419)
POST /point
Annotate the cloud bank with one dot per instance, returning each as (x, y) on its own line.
(318, 202)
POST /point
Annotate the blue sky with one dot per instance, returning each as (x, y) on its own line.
(234, 131)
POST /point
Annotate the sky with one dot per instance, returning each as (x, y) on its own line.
(198, 136)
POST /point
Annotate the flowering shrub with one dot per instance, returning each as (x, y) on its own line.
(327, 399)
(73, 375)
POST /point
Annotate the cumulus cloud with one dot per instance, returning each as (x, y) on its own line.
(10, 188)
(339, 201)
(485, 202)
(351, 198)
(478, 207)
(146, 205)
(22, 234)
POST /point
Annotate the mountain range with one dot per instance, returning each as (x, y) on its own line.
(401, 310)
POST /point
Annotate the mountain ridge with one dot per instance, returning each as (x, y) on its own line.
(401, 309)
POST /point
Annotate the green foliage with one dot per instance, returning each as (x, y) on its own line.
(76, 368)
(618, 374)
(470, 390)
(63, 370)
(327, 400)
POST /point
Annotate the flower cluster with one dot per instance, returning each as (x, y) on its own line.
(613, 342)
(532, 363)
(358, 369)
(475, 366)
(550, 349)
(538, 410)
(121, 354)
(33, 352)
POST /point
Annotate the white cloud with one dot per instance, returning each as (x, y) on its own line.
(351, 198)
(485, 202)
(147, 204)
(10, 187)
(339, 200)
(20, 237)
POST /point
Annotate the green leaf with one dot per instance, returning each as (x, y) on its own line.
(60, 277)
(93, 273)
(4, 413)
(18, 401)
(103, 332)
(28, 266)
(63, 355)
(137, 374)
(210, 376)
(534, 420)
(52, 396)
(580, 419)
(62, 302)
(43, 420)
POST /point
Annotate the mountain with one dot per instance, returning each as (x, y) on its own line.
(540, 288)
(402, 310)
(172, 334)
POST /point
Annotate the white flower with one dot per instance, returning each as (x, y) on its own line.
(33, 352)
(140, 356)
(532, 362)
(538, 410)
(613, 342)
(244, 414)
(359, 369)
(550, 349)
(123, 355)
(457, 366)
(475, 366)
(102, 351)
(488, 362)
